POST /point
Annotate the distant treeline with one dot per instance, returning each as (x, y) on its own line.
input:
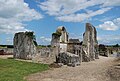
(6, 46)
(11, 46)
(42, 46)
(117, 45)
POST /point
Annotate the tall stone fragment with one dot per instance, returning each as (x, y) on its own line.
(60, 38)
(64, 52)
(24, 45)
(90, 48)
(96, 46)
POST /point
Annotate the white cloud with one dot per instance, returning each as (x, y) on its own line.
(110, 25)
(61, 7)
(75, 36)
(109, 39)
(111, 3)
(117, 21)
(9, 41)
(10, 26)
(106, 18)
(83, 16)
(13, 13)
(44, 40)
(71, 8)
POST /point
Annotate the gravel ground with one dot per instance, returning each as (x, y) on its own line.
(114, 71)
(88, 71)
(6, 56)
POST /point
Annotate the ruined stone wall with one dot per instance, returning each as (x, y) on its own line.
(68, 59)
(113, 50)
(90, 49)
(24, 45)
(108, 50)
(60, 36)
(55, 39)
(7, 50)
(78, 51)
(72, 43)
(46, 55)
(70, 48)
(63, 47)
(103, 50)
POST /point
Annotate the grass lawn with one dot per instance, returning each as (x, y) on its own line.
(13, 70)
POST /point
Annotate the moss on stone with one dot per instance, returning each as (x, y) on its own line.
(57, 34)
(32, 36)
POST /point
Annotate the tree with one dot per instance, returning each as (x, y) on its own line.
(117, 45)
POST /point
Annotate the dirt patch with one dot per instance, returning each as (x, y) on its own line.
(6, 56)
(55, 65)
(114, 71)
(87, 71)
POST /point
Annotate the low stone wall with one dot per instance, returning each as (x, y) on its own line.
(6, 51)
(68, 59)
(45, 55)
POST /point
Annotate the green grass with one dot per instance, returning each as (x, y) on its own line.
(12, 70)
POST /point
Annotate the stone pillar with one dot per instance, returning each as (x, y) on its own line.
(89, 43)
(24, 45)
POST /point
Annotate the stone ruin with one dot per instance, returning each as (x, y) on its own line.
(24, 45)
(72, 51)
(103, 50)
(60, 39)
(45, 55)
(60, 42)
(68, 58)
(63, 50)
(90, 44)
(6, 51)
(107, 51)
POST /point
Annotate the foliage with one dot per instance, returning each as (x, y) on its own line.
(57, 34)
(84, 45)
(3, 46)
(102, 47)
(32, 36)
(6, 46)
(48, 45)
(117, 45)
(43, 46)
(12, 70)
(35, 43)
(29, 34)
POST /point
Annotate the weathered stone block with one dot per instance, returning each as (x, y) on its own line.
(89, 46)
(24, 45)
(68, 59)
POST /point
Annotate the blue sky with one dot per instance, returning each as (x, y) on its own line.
(44, 16)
